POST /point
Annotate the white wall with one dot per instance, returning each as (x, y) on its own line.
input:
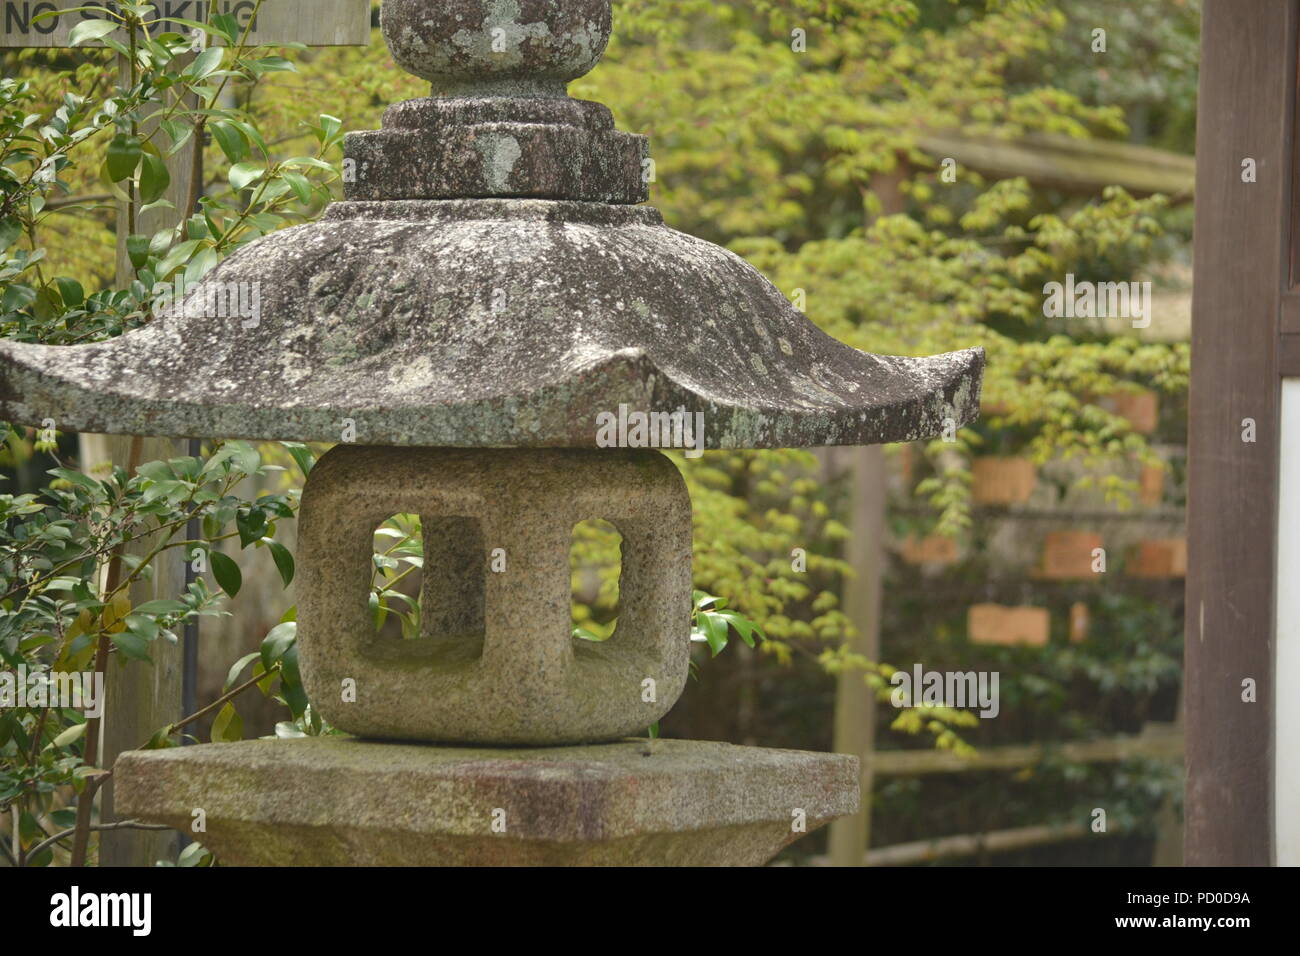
(1286, 711)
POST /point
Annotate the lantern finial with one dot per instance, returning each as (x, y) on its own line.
(499, 123)
(497, 47)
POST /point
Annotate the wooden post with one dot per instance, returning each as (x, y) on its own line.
(1168, 850)
(855, 703)
(141, 698)
(1243, 207)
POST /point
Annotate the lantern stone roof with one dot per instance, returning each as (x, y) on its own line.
(488, 280)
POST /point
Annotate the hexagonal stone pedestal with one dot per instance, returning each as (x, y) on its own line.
(337, 801)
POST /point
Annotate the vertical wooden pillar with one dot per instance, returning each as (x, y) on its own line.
(139, 699)
(1247, 86)
(855, 703)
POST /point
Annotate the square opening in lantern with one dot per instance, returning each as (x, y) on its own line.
(427, 587)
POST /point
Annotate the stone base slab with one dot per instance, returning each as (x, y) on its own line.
(341, 801)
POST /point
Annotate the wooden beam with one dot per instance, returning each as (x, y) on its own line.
(1067, 163)
(1163, 744)
(1241, 264)
(942, 848)
(1000, 841)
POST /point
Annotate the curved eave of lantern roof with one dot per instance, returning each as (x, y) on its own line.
(486, 323)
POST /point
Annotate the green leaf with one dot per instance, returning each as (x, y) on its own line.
(200, 265)
(77, 478)
(157, 608)
(87, 31)
(124, 154)
(715, 631)
(226, 572)
(71, 291)
(742, 625)
(229, 726)
(157, 471)
(329, 127)
(291, 688)
(177, 255)
(231, 141)
(194, 855)
(170, 491)
(144, 627)
(17, 296)
(242, 455)
(137, 250)
(309, 161)
(299, 183)
(69, 736)
(704, 600)
(161, 740)
(289, 666)
(154, 178)
(302, 455)
(238, 666)
(206, 62)
(10, 230)
(283, 561)
(132, 645)
(243, 175)
(252, 135)
(178, 134)
(251, 524)
(278, 640)
(226, 26)
(271, 64)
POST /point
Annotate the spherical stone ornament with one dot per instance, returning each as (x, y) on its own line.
(497, 47)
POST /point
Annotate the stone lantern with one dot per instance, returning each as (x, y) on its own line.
(487, 294)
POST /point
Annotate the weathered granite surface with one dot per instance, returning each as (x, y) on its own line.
(496, 662)
(538, 148)
(336, 801)
(499, 123)
(430, 315)
(507, 323)
(497, 47)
